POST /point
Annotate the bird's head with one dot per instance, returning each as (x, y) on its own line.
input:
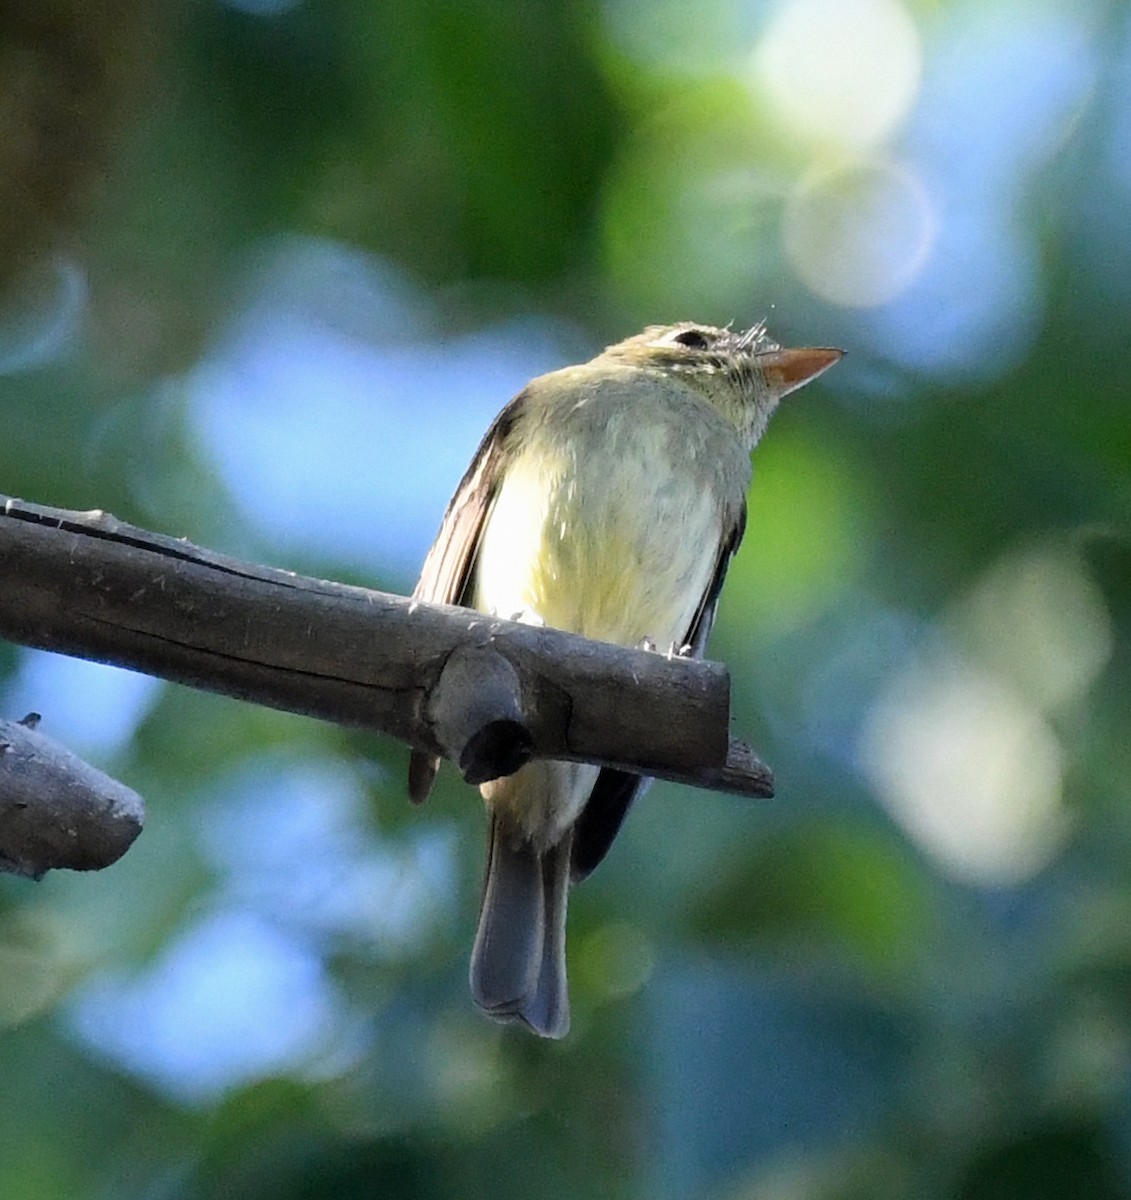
(741, 373)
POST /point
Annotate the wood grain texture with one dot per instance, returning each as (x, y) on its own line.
(89, 585)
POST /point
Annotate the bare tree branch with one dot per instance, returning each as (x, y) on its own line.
(55, 809)
(486, 693)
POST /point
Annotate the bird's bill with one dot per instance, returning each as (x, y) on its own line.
(787, 370)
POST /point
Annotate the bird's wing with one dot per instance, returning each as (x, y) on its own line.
(448, 574)
(614, 791)
(704, 620)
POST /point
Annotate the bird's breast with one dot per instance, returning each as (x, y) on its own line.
(608, 526)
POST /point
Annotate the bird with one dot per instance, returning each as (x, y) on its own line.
(606, 499)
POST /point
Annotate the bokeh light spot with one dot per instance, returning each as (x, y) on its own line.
(859, 235)
(616, 960)
(42, 314)
(843, 72)
(232, 1001)
(1040, 619)
(970, 770)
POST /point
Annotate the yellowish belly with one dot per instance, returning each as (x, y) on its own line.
(618, 555)
(616, 546)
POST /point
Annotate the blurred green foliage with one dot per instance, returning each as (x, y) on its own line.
(907, 976)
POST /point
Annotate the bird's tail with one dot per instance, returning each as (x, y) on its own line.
(518, 970)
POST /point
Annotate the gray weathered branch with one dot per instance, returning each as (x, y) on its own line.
(486, 693)
(55, 809)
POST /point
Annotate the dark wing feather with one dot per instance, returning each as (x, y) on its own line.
(602, 817)
(614, 791)
(448, 574)
(704, 621)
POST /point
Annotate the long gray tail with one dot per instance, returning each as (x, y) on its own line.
(518, 970)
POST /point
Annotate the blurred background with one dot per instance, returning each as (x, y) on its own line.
(268, 268)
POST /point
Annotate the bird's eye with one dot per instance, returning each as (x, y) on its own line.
(693, 339)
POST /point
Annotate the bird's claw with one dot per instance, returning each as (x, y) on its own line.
(684, 651)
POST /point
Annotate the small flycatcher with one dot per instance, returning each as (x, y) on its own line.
(607, 500)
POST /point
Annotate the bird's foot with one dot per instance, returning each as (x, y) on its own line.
(527, 616)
